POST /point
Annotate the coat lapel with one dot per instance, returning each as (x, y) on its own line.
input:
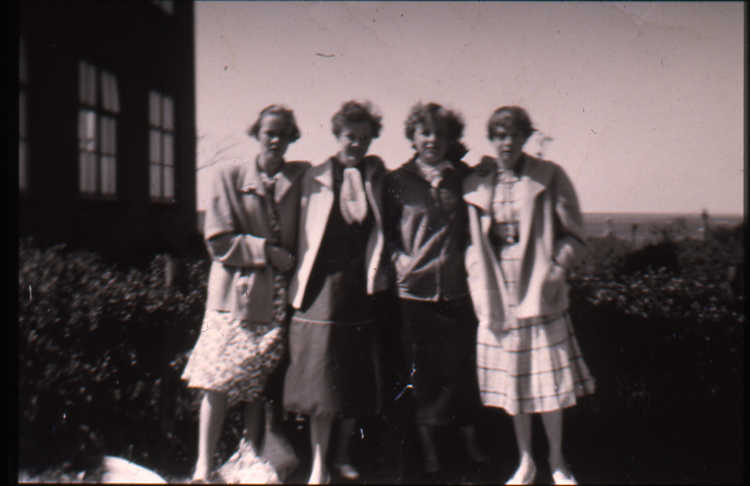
(478, 185)
(534, 180)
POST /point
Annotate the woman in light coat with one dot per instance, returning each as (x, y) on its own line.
(333, 371)
(251, 235)
(526, 229)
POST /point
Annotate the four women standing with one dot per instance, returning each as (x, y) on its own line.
(487, 245)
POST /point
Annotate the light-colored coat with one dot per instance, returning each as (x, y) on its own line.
(236, 230)
(316, 204)
(551, 230)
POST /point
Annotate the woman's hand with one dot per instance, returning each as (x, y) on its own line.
(554, 283)
(280, 258)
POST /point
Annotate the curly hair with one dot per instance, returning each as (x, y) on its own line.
(510, 117)
(355, 112)
(447, 122)
(281, 111)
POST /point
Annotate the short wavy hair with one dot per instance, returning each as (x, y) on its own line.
(356, 112)
(449, 123)
(510, 117)
(279, 110)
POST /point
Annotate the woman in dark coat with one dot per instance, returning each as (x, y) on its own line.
(426, 232)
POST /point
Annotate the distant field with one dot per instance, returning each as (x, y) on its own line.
(599, 224)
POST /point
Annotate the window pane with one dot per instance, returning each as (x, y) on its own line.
(86, 83)
(169, 182)
(168, 122)
(91, 85)
(155, 180)
(87, 173)
(168, 149)
(82, 81)
(115, 94)
(23, 73)
(87, 130)
(109, 175)
(22, 113)
(108, 126)
(155, 146)
(110, 99)
(154, 103)
(23, 177)
(113, 136)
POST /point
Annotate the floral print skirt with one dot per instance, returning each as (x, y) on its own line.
(235, 357)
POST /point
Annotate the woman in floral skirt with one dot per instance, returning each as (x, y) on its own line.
(251, 235)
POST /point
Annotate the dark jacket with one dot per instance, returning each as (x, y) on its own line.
(426, 233)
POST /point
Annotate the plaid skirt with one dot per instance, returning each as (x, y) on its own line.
(534, 367)
(234, 357)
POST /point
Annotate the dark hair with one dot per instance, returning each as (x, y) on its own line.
(449, 123)
(355, 112)
(278, 110)
(510, 117)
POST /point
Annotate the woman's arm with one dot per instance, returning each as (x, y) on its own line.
(569, 232)
(391, 217)
(224, 240)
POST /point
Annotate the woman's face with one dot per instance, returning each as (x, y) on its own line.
(508, 142)
(430, 144)
(273, 137)
(354, 140)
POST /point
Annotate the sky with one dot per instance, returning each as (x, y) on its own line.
(644, 101)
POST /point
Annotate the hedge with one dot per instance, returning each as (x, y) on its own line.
(101, 346)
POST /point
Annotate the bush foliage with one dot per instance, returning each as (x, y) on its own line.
(100, 352)
(101, 347)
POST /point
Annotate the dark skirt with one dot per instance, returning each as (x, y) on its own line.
(439, 347)
(333, 340)
(333, 369)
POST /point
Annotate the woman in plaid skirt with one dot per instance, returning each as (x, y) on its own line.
(526, 228)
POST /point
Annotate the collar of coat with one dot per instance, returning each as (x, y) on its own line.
(323, 173)
(411, 167)
(289, 173)
(536, 175)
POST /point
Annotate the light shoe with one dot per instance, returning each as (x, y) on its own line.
(563, 476)
(523, 477)
(347, 471)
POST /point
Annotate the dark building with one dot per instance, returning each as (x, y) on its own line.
(106, 133)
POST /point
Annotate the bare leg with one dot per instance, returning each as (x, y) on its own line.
(210, 421)
(254, 414)
(320, 433)
(427, 438)
(526, 467)
(553, 427)
(343, 460)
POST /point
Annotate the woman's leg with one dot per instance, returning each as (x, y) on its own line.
(320, 434)
(526, 467)
(343, 459)
(469, 433)
(254, 423)
(210, 422)
(428, 441)
(553, 427)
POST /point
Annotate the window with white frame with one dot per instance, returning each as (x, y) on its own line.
(161, 147)
(99, 106)
(23, 129)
